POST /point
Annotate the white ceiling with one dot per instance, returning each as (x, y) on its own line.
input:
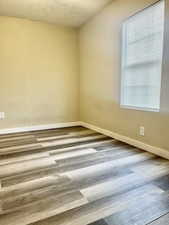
(67, 12)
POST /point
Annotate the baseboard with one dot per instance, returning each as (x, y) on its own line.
(152, 149)
(38, 127)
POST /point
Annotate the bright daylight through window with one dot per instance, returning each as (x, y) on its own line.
(142, 51)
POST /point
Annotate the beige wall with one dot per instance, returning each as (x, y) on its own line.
(100, 46)
(38, 73)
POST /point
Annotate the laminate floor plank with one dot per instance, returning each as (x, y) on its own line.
(20, 142)
(116, 186)
(16, 138)
(102, 169)
(82, 146)
(71, 140)
(28, 187)
(163, 183)
(18, 134)
(20, 148)
(26, 157)
(56, 189)
(75, 176)
(57, 132)
(164, 220)
(16, 168)
(55, 148)
(39, 153)
(44, 209)
(68, 135)
(29, 176)
(64, 165)
(41, 145)
(106, 207)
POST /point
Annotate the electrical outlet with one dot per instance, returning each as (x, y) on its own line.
(2, 115)
(142, 131)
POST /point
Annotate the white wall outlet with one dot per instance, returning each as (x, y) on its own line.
(142, 131)
(2, 115)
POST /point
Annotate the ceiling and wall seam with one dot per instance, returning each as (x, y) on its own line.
(73, 13)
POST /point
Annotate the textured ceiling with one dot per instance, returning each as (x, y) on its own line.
(67, 12)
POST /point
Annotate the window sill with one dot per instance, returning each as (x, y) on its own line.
(140, 108)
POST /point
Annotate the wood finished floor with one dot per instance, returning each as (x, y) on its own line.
(75, 176)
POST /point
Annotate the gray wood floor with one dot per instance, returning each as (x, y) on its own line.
(74, 176)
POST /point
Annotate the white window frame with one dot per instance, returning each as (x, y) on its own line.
(123, 34)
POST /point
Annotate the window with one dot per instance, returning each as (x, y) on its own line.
(142, 52)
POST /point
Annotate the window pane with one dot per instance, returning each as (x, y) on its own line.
(142, 58)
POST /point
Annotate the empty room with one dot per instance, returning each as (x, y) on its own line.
(84, 112)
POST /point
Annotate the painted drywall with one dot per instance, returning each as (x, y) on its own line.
(100, 62)
(38, 73)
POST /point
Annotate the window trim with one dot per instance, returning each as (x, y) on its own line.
(123, 45)
(141, 10)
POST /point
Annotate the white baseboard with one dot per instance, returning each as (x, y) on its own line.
(152, 149)
(38, 127)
